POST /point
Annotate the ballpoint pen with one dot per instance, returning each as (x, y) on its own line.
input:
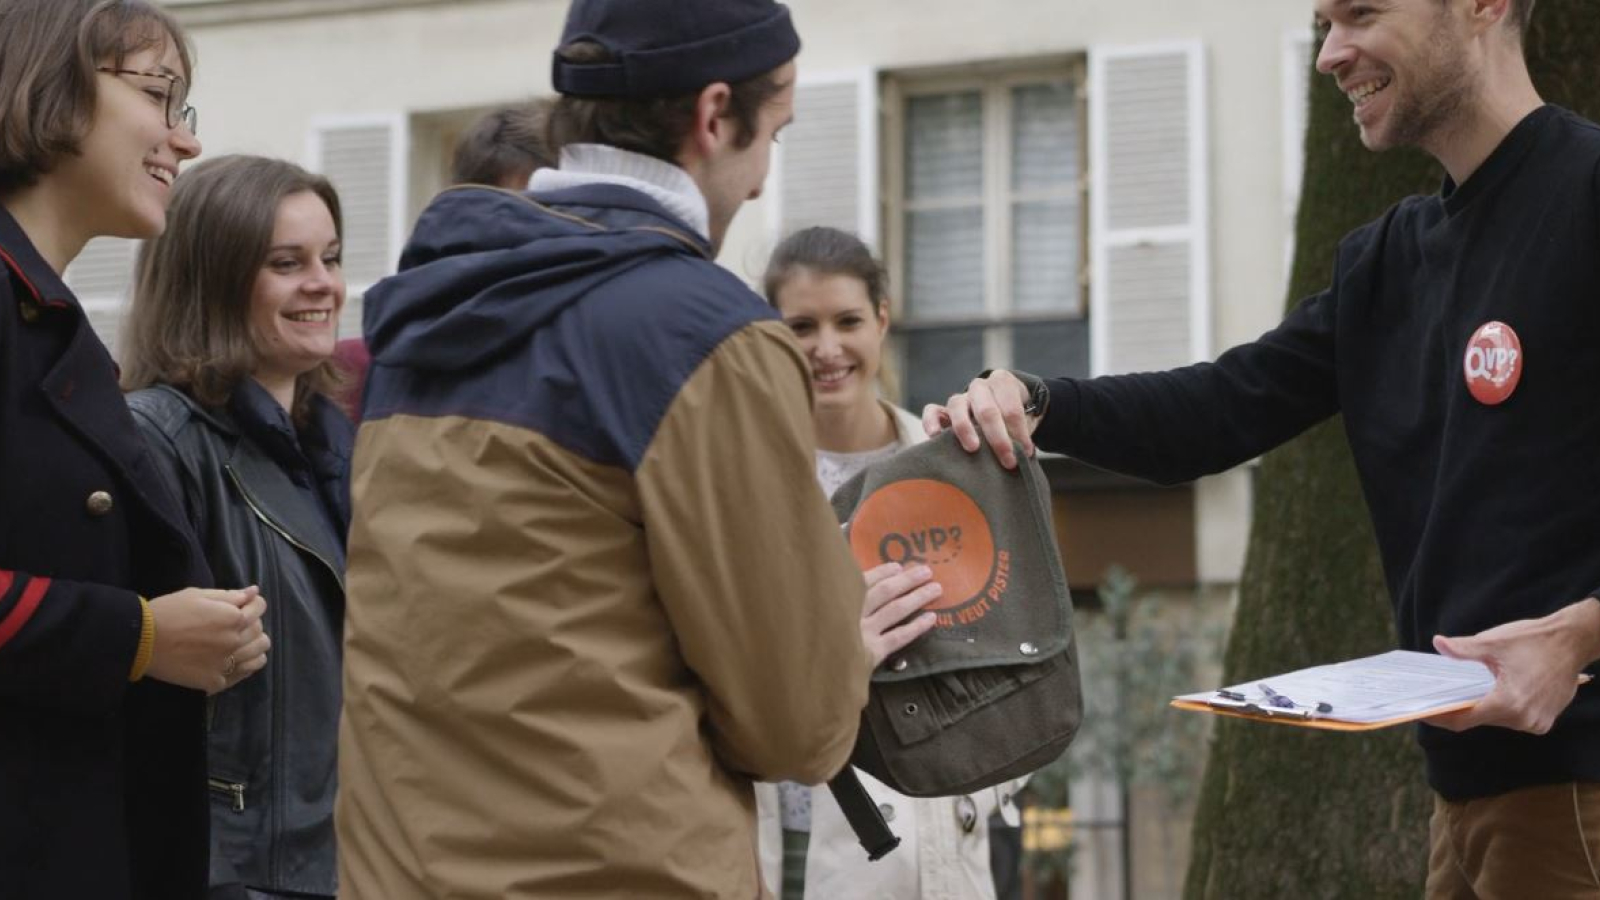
(1281, 702)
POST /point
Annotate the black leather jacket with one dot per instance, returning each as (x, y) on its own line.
(273, 736)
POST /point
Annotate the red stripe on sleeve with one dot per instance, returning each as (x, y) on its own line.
(31, 595)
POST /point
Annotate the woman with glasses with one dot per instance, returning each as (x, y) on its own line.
(174, 98)
(833, 295)
(226, 347)
(106, 648)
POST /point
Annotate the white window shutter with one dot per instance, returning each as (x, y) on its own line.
(366, 158)
(1150, 278)
(1297, 50)
(102, 279)
(825, 170)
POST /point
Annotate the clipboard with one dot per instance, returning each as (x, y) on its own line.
(1324, 722)
(1362, 694)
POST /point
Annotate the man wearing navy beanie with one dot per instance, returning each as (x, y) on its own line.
(641, 76)
(593, 589)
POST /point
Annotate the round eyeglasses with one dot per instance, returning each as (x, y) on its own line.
(175, 98)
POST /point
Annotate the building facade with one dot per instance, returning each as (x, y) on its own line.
(1069, 188)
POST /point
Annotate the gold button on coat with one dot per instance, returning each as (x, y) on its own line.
(99, 503)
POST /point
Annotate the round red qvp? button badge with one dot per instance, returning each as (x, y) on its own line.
(1493, 363)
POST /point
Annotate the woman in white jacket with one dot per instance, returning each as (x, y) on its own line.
(832, 294)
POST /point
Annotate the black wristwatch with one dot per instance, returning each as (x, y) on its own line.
(1038, 392)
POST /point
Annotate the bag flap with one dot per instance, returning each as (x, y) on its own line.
(987, 534)
(925, 707)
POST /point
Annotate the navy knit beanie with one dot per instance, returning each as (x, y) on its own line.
(666, 48)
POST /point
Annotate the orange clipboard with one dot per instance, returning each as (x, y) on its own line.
(1263, 712)
(1323, 722)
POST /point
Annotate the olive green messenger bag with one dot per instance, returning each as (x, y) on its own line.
(992, 693)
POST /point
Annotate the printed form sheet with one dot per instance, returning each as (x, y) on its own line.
(1393, 686)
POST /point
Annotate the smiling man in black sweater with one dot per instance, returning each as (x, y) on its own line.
(1460, 339)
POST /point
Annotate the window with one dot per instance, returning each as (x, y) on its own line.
(365, 157)
(987, 224)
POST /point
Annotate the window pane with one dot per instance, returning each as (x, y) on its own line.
(1045, 251)
(1046, 239)
(939, 362)
(1051, 349)
(944, 262)
(944, 146)
(1044, 136)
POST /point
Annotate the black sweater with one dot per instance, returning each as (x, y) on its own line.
(1484, 514)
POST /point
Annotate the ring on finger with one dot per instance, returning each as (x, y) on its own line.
(229, 666)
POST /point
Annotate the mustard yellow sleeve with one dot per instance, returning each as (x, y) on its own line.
(763, 595)
(147, 641)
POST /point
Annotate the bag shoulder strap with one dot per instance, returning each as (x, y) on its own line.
(863, 815)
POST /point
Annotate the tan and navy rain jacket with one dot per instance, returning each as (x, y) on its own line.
(594, 589)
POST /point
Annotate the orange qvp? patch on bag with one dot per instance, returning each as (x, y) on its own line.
(933, 523)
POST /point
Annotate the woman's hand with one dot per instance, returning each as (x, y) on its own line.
(894, 593)
(207, 639)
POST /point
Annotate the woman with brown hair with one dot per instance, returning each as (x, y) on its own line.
(834, 296)
(229, 336)
(105, 648)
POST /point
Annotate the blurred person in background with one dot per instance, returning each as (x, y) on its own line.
(105, 646)
(227, 343)
(834, 296)
(503, 148)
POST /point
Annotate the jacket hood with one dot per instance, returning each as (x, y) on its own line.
(487, 268)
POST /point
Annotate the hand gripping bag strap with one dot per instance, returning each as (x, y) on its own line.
(865, 819)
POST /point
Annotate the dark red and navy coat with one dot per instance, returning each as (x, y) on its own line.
(102, 781)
